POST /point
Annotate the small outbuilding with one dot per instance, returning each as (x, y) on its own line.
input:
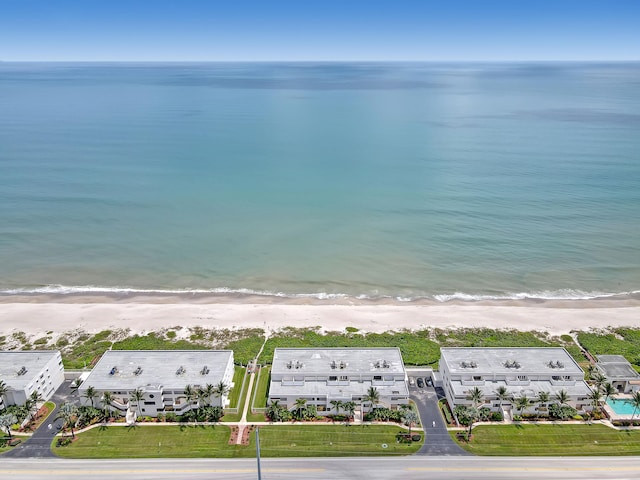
(619, 372)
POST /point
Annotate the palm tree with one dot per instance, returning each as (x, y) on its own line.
(4, 389)
(6, 421)
(563, 399)
(635, 402)
(206, 393)
(107, 402)
(30, 407)
(221, 390)
(191, 394)
(90, 394)
(522, 403)
(502, 393)
(337, 404)
(68, 413)
(349, 408)
(409, 418)
(598, 379)
(596, 398)
(273, 411)
(35, 397)
(543, 399)
(476, 396)
(608, 391)
(372, 396)
(300, 406)
(137, 396)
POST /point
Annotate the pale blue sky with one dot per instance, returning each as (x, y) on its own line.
(195, 30)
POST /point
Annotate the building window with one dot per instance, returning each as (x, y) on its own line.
(377, 377)
(477, 378)
(333, 378)
(344, 377)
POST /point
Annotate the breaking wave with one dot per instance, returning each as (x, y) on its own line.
(562, 294)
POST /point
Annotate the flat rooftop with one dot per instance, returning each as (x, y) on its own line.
(616, 367)
(171, 369)
(538, 360)
(33, 361)
(344, 361)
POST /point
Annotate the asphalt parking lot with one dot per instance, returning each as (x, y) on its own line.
(437, 440)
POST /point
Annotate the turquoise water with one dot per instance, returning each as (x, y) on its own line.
(621, 407)
(401, 180)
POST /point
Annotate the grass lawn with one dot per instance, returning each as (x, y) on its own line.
(234, 394)
(151, 441)
(200, 441)
(4, 438)
(515, 440)
(332, 441)
(260, 388)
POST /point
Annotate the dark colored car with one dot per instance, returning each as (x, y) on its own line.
(420, 382)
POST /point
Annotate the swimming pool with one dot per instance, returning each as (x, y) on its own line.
(621, 407)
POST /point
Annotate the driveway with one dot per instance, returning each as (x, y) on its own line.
(437, 440)
(39, 444)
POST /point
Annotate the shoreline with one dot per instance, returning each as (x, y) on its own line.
(40, 314)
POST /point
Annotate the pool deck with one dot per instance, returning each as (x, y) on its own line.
(620, 416)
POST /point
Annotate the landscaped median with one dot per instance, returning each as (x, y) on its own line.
(283, 440)
(550, 440)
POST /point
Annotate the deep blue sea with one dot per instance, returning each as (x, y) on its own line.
(359, 179)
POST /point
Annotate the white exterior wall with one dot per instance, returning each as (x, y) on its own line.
(323, 384)
(158, 398)
(45, 381)
(488, 382)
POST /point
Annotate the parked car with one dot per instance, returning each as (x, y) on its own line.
(429, 382)
(420, 383)
(412, 381)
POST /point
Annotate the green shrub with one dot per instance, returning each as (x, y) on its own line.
(496, 417)
(444, 407)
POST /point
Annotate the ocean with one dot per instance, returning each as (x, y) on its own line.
(324, 180)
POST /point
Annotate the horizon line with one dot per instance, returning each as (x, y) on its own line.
(332, 61)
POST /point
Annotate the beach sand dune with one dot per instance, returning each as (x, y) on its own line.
(36, 316)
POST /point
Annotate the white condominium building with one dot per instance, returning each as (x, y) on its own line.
(320, 375)
(162, 376)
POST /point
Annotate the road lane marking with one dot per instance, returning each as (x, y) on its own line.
(130, 471)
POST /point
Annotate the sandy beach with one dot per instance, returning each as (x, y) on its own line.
(37, 315)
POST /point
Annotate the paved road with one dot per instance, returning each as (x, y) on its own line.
(403, 468)
(437, 440)
(39, 445)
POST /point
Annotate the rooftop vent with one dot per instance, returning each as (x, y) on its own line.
(137, 371)
(334, 365)
(22, 370)
(204, 370)
(469, 364)
(296, 364)
(512, 364)
(557, 364)
(381, 364)
(181, 371)
(113, 371)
